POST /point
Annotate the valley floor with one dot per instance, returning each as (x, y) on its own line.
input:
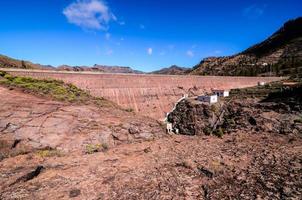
(49, 150)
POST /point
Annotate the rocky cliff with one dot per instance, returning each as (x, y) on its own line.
(280, 54)
(274, 108)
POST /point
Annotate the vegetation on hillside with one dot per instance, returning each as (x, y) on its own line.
(50, 88)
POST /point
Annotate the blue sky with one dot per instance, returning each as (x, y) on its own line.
(143, 34)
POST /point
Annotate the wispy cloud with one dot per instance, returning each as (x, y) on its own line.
(107, 36)
(142, 26)
(171, 46)
(109, 52)
(217, 52)
(162, 53)
(190, 53)
(150, 51)
(254, 11)
(89, 14)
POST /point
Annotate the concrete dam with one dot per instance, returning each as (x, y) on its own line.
(150, 95)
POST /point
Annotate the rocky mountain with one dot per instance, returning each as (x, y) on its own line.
(173, 70)
(100, 68)
(280, 54)
(7, 62)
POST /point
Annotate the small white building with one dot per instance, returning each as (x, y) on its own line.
(208, 98)
(169, 128)
(221, 93)
(261, 83)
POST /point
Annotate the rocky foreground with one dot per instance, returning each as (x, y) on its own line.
(61, 150)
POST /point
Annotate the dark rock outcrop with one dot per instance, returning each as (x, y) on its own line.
(269, 114)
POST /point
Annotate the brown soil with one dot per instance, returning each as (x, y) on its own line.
(140, 162)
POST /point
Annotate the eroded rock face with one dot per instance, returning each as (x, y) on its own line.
(149, 95)
(192, 117)
(244, 164)
(28, 123)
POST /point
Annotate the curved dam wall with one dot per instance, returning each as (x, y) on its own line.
(150, 95)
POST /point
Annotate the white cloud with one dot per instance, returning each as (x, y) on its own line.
(107, 36)
(149, 51)
(254, 11)
(122, 23)
(190, 53)
(89, 14)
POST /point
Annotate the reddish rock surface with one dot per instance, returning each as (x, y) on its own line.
(40, 123)
(141, 163)
(150, 95)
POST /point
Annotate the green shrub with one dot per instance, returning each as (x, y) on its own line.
(2, 73)
(299, 120)
(207, 131)
(93, 148)
(105, 146)
(54, 89)
(129, 110)
(47, 87)
(48, 153)
(218, 132)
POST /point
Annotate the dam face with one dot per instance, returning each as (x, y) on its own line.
(150, 95)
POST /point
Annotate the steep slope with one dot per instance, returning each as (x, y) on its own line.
(173, 70)
(280, 54)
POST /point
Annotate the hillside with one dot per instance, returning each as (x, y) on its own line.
(100, 68)
(57, 149)
(7, 62)
(173, 70)
(280, 54)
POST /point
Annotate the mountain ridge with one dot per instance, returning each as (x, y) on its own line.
(8, 62)
(278, 55)
(172, 70)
